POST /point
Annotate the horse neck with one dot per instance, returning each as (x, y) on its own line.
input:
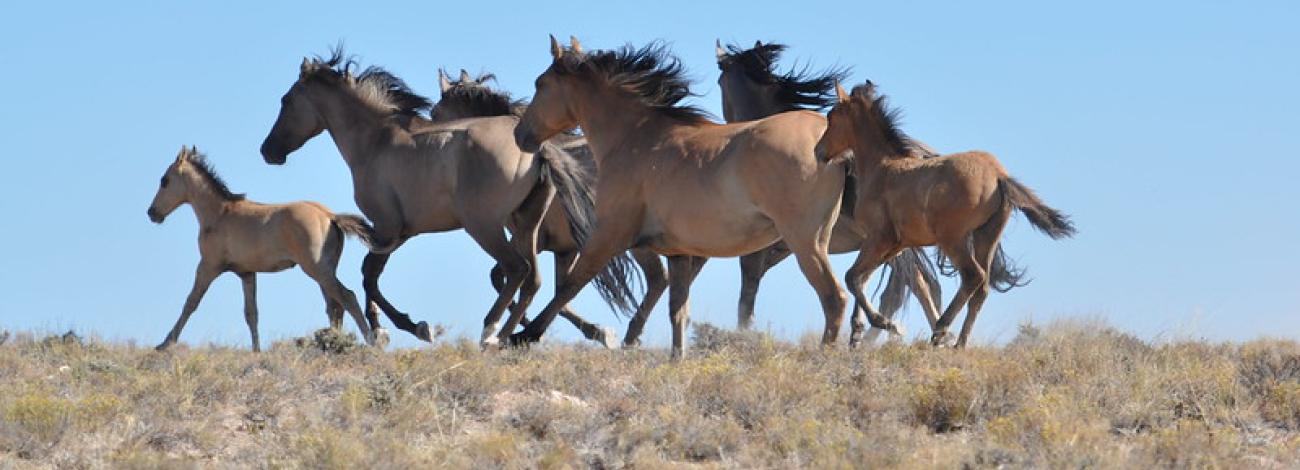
(748, 103)
(609, 119)
(871, 154)
(207, 204)
(351, 123)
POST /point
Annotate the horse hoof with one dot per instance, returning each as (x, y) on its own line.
(381, 337)
(896, 330)
(940, 339)
(608, 337)
(423, 332)
(522, 339)
(489, 342)
(630, 344)
(162, 347)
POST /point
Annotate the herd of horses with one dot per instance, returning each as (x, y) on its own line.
(647, 176)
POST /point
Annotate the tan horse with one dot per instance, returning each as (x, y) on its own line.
(244, 237)
(470, 97)
(673, 181)
(959, 202)
(412, 176)
(752, 89)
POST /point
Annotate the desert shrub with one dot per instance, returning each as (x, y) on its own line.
(330, 340)
(943, 400)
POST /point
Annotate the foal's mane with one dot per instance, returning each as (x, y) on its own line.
(887, 118)
(482, 100)
(798, 88)
(209, 175)
(650, 73)
(374, 85)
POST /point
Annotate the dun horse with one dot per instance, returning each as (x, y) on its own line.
(960, 202)
(412, 176)
(673, 181)
(468, 97)
(751, 90)
(245, 237)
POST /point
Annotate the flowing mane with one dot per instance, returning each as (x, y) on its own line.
(200, 162)
(650, 73)
(799, 88)
(374, 85)
(478, 99)
(887, 118)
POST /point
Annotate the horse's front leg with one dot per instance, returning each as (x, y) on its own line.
(203, 277)
(249, 282)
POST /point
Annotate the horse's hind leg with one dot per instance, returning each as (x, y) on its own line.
(752, 269)
(249, 281)
(334, 311)
(872, 254)
(656, 281)
(681, 273)
(203, 277)
(973, 277)
(605, 336)
(343, 296)
(985, 243)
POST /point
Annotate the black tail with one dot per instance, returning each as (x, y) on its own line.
(356, 226)
(572, 186)
(1004, 274)
(1046, 219)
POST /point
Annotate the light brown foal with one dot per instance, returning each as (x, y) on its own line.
(959, 202)
(247, 237)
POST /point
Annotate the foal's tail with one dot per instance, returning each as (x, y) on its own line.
(573, 188)
(1050, 221)
(356, 226)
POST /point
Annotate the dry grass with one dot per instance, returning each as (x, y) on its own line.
(1070, 395)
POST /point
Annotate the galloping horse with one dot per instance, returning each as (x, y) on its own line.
(751, 90)
(247, 238)
(959, 202)
(412, 176)
(673, 181)
(468, 97)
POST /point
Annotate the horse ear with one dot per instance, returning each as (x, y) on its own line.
(718, 50)
(758, 44)
(464, 76)
(840, 95)
(556, 50)
(443, 83)
(573, 43)
(305, 67)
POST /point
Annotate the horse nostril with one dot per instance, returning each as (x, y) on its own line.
(153, 214)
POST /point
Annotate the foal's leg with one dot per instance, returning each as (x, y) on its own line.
(873, 253)
(656, 281)
(340, 295)
(985, 243)
(972, 277)
(333, 310)
(203, 277)
(681, 273)
(249, 280)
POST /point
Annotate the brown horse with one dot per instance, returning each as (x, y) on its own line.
(673, 181)
(413, 176)
(245, 237)
(959, 202)
(751, 90)
(468, 97)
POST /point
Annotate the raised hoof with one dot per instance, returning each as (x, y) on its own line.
(489, 343)
(607, 337)
(895, 330)
(423, 332)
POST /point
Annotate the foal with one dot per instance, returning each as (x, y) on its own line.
(960, 202)
(246, 238)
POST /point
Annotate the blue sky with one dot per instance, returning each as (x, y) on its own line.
(1167, 129)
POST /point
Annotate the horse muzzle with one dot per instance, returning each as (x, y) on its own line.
(526, 140)
(273, 154)
(154, 216)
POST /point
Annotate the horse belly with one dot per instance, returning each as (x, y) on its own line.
(712, 230)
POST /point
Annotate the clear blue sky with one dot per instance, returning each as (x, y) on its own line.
(1169, 130)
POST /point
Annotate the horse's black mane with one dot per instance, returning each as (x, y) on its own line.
(481, 100)
(650, 72)
(209, 175)
(405, 101)
(799, 88)
(887, 117)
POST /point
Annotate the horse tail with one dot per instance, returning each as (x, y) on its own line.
(356, 226)
(573, 189)
(901, 281)
(1050, 221)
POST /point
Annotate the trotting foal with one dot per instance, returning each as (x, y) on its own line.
(247, 237)
(959, 202)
